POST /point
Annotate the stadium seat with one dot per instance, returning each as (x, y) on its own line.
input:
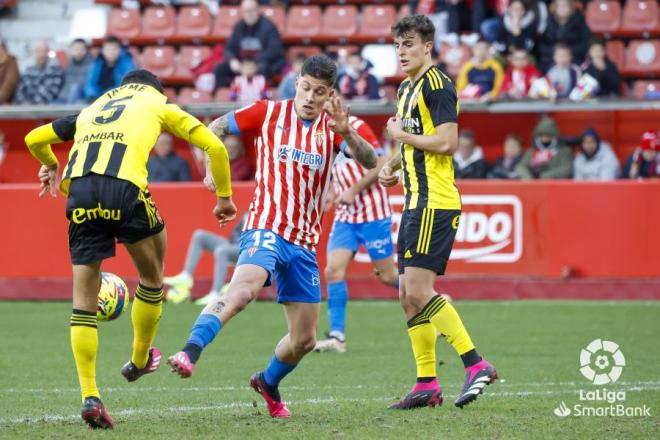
(224, 22)
(642, 88)
(404, 11)
(642, 58)
(194, 23)
(124, 23)
(158, 23)
(453, 57)
(302, 23)
(339, 23)
(170, 92)
(640, 16)
(188, 95)
(223, 94)
(603, 16)
(160, 61)
(616, 52)
(305, 50)
(376, 23)
(276, 14)
(135, 53)
(189, 57)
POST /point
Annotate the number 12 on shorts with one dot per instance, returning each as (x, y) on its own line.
(267, 242)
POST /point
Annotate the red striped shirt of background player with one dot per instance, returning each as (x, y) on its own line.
(289, 194)
(372, 203)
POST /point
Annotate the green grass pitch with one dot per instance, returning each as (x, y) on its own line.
(534, 345)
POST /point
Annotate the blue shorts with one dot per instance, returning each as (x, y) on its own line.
(376, 236)
(295, 268)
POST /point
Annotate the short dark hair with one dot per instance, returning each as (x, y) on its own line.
(320, 67)
(113, 40)
(561, 46)
(419, 24)
(79, 40)
(142, 76)
(597, 41)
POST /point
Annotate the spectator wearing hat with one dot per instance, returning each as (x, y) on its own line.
(595, 160)
(644, 163)
(548, 157)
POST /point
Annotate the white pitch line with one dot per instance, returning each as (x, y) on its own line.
(128, 413)
(130, 389)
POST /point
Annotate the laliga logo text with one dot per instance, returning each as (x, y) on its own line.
(601, 362)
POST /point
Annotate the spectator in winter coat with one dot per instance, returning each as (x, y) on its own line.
(108, 68)
(565, 25)
(519, 75)
(165, 165)
(505, 166)
(41, 82)
(469, 160)
(595, 160)
(357, 82)
(517, 28)
(481, 77)
(9, 76)
(599, 66)
(548, 157)
(644, 163)
(563, 75)
(75, 74)
(254, 36)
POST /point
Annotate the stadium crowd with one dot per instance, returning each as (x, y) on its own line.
(495, 50)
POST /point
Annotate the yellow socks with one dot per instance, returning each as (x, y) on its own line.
(423, 336)
(84, 343)
(444, 317)
(145, 315)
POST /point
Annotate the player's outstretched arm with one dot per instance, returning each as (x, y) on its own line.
(359, 149)
(38, 142)
(220, 126)
(444, 141)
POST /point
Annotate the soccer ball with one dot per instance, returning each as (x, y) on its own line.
(113, 297)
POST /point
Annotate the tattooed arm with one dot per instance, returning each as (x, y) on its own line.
(359, 149)
(220, 126)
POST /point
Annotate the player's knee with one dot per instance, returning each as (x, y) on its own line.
(151, 273)
(198, 234)
(221, 252)
(304, 343)
(239, 296)
(334, 274)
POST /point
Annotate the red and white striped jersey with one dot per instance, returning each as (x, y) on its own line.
(372, 203)
(294, 158)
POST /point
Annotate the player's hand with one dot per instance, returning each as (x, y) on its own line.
(338, 115)
(395, 127)
(209, 183)
(225, 210)
(346, 198)
(48, 178)
(387, 177)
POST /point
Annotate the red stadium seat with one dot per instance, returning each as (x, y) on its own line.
(404, 11)
(188, 95)
(160, 61)
(642, 87)
(223, 94)
(189, 58)
(616, 52)
(303, 23)
(339, 23)
(376, 23)
(276, 14)
(454, 57)
(194, 22)
(158, 23)
(124, 23)
(136, 54)
(640, 16)
(642, 58)
(224, 22)
(170, 92)
(604, 16)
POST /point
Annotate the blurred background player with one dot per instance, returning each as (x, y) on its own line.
(283, 225)
(225, 251)
(362, 217)
(426, 126)
(110, 174)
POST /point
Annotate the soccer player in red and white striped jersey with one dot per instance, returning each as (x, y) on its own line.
(362, 217)
(295, 141)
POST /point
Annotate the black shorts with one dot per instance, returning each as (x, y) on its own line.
(426, 236)
(101, 209)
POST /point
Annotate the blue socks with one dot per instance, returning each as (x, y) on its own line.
(203, 332)
(276, 371)
(337, 300)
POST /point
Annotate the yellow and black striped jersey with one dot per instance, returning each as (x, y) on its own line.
(428, 178)
(115, 134)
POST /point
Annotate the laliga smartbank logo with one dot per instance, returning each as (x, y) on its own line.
(490, 229)
(601, 363)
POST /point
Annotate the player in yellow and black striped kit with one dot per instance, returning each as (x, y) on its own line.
(426, 126)
(105, 181)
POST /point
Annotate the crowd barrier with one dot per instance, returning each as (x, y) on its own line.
(515, 240)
